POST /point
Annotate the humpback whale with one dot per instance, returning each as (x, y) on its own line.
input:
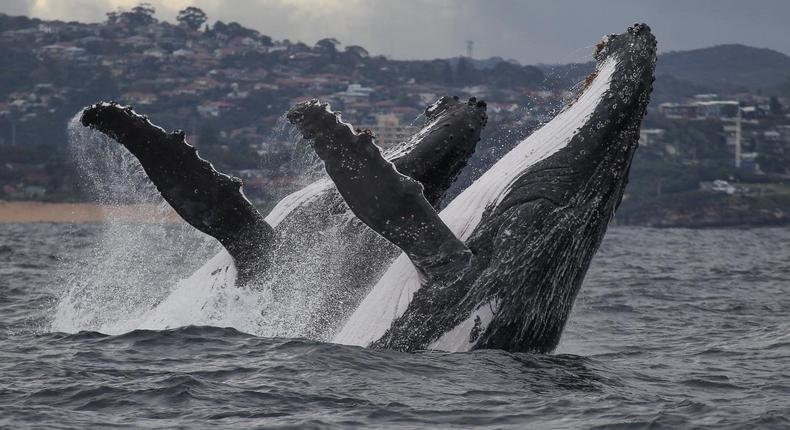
(501, 265)
(498, 267)
(258, 247)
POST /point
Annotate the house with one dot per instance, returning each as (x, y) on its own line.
(700, 110)
(139, 98)
(154, 52)
(64, 50)
(355, 92)
(479, 91)
(215, 108)
(137, 42)
(648, 136)
(389, 131)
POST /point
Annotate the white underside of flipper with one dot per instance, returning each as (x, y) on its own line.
(392, 294)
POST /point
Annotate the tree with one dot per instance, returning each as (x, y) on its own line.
(112, 18)
(433, 71)
(507, 74)
(265, 40)
(234, 29)
(144, 9)
(357, 51)
(140, 15)
(191, 18)
(327, 46)
(465, 72)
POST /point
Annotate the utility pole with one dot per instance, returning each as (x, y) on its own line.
(738, 139)
(470, 45)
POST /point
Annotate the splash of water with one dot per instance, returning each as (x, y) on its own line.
(312, 283)
(301, 165)
(137, 274)
(134, 263)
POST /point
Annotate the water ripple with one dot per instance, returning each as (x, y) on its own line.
(673, 329)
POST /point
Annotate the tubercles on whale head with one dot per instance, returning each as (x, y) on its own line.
(604, 145)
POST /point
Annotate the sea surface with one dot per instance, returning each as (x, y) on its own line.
(673, 329)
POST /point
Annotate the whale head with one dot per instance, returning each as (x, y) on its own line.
(540, 236)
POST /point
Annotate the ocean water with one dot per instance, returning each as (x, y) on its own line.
(672, 329)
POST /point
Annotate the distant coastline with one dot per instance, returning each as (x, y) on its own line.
(709, 211)
(699, 209)
(31, 212)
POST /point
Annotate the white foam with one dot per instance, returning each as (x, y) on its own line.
(209, 297)
(133, 264)
(392, 294)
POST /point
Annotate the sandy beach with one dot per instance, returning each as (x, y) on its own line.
(22, 212)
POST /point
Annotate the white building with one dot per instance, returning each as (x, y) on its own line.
(355, 92)
(389, 131)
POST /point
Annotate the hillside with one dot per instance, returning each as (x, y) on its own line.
(718, 69)
(227, 86)
(732, 67)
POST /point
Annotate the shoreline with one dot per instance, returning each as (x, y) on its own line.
(655, 217)
(703, 210)
(44, 212)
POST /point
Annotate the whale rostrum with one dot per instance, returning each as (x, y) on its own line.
(499, 267)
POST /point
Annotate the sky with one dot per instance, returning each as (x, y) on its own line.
(530, 31)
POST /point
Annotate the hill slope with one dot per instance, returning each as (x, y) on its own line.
(727, 66)
(722, 68)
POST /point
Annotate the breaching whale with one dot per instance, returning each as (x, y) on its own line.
(257, 247)
(499, 267)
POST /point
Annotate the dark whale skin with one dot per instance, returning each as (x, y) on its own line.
(532, 250)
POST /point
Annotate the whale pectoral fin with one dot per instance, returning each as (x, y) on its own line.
(437, 153)
(390, 203)
(210, 201)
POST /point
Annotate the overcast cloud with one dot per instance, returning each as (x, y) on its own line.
(550, 31)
